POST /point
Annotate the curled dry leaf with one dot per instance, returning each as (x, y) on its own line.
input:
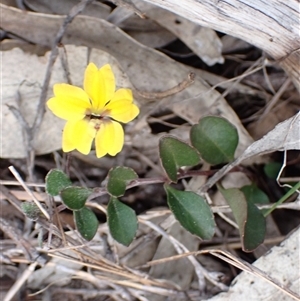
(203, 41)
(285, 136)
(145, 31)
(95, 9)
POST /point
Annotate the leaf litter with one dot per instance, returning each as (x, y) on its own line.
(113, 33)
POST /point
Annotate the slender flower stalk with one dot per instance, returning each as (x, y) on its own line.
(93, 112)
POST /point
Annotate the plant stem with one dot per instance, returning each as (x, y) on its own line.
(283, 199)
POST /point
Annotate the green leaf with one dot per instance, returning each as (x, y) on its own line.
(192, 211)
(31, 210)
(75, 197)
(118, 178)
(255, 229)
(255, 196)
(56, 180)
(272, 169)
(215, 138)
(122, 221)
(250, 220)
(175, 154)
(86, 223)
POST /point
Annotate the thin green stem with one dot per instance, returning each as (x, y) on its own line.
(283, 199)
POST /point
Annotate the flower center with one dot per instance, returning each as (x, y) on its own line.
(94, 120)
(93, 116)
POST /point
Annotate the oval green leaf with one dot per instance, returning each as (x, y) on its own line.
(175, 154)
(56, 180)
(250, 220)
(255, 229)
(118, 178)
(192, 212)
(215, 138)
(122, 221)
(86, 223)
(75, 197)
(255, 196)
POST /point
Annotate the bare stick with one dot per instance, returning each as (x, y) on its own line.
(180, 248)
(235, 261)
(16, 183)
(275, 98)
(30, 252)
(26, 135)
(159, 95)
(20, 281)
(20, 180)
(77, 9)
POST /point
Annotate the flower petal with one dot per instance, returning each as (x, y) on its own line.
(100, 85)
(69, 102)
(109, 139)
(78, 135)
(121, 107)
(67, 141)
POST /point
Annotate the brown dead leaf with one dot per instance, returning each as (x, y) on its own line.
(95, 9)
(145, 31)
(259, 128)
(182, 272)
(203, 41)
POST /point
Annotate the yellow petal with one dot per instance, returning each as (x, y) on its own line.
(109, 139)
(100, 85)
(67, 142)
(78, 135)
(121, 107)
(69, 102)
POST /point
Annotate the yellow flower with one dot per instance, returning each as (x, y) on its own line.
(89, 112)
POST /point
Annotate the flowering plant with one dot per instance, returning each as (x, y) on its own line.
(93, 112)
